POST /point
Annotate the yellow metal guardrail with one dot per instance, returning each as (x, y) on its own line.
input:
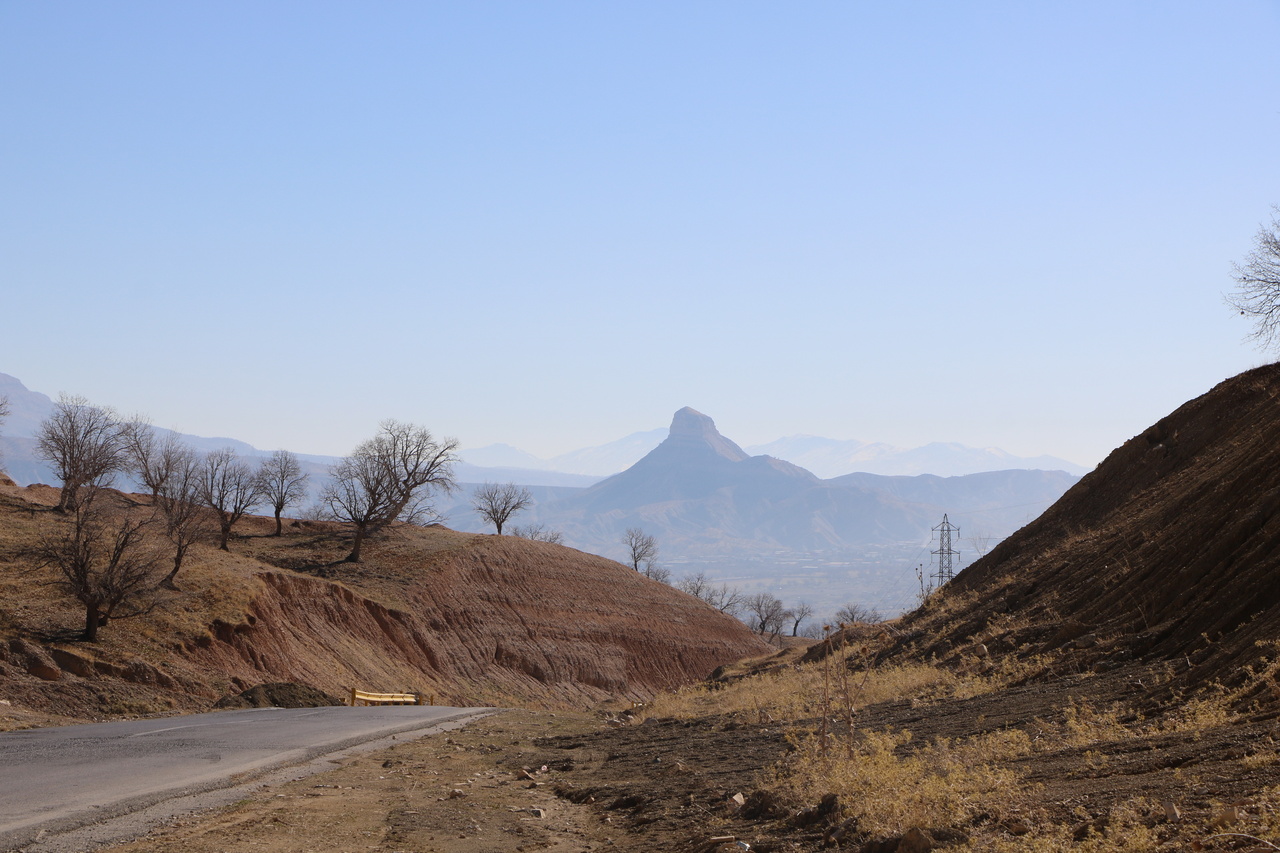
(363, 697)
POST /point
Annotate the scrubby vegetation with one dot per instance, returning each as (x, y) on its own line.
(1083, 763)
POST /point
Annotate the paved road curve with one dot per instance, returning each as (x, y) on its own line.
(56, 779)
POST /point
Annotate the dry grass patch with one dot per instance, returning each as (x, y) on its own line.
(889, 788)
(839, 685)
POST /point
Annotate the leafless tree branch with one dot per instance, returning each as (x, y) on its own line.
(389, 478)
(85, 445)
(1257, 293)
(103, 563)
(282, 483)
(538, 533)
(496, 503)
(229, 486)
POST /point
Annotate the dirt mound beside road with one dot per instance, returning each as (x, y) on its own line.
(1168, 551)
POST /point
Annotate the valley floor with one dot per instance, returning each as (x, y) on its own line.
(526, 781)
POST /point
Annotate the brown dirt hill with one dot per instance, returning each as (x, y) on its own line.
(469, 619)
(1168, 551)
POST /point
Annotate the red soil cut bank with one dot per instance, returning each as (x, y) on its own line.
(468, 619)
(499, 614)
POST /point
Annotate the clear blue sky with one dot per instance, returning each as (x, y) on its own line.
(552, 224)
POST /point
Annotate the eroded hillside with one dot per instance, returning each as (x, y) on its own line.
(1168, 551)
(466, 618)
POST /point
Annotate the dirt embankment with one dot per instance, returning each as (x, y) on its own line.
(497, 614)
(1168, 551)
(464, 618)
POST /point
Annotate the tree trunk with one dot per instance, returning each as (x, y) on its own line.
(224, 525)
(168, 583)
(354, 556)
(279, 527)
(90, 634)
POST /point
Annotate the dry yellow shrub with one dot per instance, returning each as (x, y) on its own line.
(804, 691)
(890, 789)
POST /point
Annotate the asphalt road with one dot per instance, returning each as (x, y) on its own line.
(57, 779)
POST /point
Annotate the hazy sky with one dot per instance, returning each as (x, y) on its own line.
(552, 224)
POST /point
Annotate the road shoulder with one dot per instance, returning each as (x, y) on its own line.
(460, 791)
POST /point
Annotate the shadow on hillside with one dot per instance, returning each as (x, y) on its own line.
(45, 636)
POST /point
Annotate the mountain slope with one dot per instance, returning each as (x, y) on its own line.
(693, 462)
(471, 619)
(701, 493)
(1169, 550)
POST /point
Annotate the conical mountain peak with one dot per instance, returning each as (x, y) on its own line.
(690, 427)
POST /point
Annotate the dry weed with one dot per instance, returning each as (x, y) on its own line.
(1084, 725)
(889, 787)
(821, 689)
(1126, 829)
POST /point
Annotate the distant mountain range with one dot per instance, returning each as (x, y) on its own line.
(27, 409)
(825, 457)
(713, 505)
(760, 520)
(829, 457)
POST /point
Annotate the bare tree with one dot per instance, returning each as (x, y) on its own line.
(4, 414)
(151, 455)
(496, 504)
(84, 444)
(282, 483)
(655, 572)
(389, 478)
(696, 585)
(851, 614)
(767, 613)
(981, 542)
(186, 518)
(104, 563)
(799, 613)
(642, 548)
(1258, 285)
(538, 533)
(229, 486)
(172, 472)
(724, 598)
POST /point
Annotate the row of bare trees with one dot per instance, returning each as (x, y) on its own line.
(87, 446)
(107, 556)
(765, 613)
(388, 478)
(110, 556)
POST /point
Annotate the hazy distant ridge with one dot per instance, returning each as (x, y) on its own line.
(702, 494)
(825, 457)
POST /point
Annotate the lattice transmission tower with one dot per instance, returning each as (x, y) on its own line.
(945, 553)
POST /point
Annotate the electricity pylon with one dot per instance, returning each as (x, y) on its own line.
(945, 553)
